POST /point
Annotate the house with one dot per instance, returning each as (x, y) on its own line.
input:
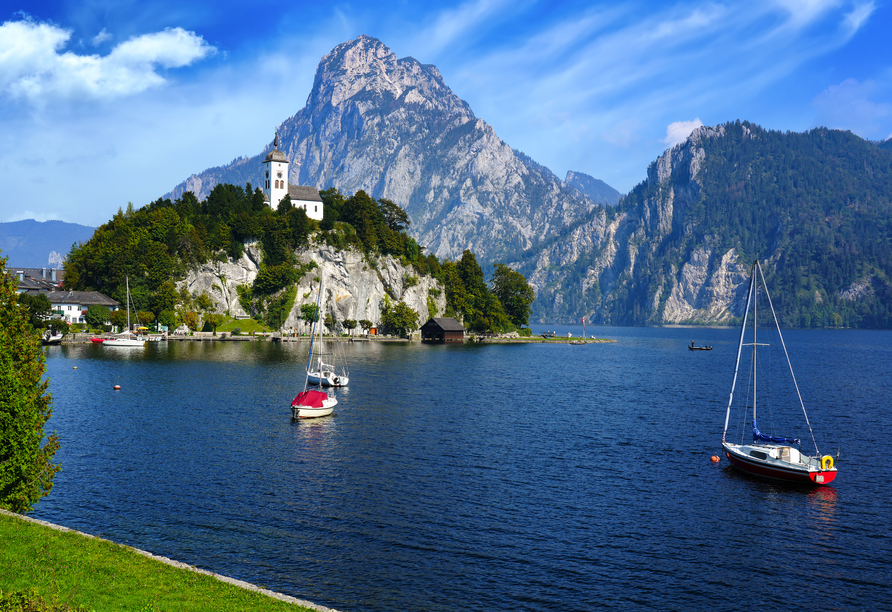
(276, 186)
(442, 329)
(35, 280)
(73, 305)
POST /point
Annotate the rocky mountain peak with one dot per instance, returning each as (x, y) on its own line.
(393, 128)
(366, 67)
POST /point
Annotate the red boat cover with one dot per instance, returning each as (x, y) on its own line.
(310, 399)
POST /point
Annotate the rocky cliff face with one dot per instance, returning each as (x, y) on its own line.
(393, 128)
(617, 253)
(353, 288)
(814, 207)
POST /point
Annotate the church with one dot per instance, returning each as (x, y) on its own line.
(275, 185)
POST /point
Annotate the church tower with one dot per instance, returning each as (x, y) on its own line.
(275, 170)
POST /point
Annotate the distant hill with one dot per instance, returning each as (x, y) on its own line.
(886, 144)
(36, 244)
(594, 188)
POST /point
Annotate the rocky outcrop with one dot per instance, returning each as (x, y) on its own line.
(355, 288)
(610, 268)
(393, 128)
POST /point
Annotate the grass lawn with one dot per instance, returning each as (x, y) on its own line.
(245, 325)
(71, 570)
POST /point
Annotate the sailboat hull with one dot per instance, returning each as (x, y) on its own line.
(327, 379)
(311, 404)
(764, 461)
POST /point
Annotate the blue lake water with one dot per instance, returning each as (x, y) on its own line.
(493, 477)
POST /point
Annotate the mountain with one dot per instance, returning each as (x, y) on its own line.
(594, 188)
(36, 244)
(814, 207)
(393, 128)
(886, 144)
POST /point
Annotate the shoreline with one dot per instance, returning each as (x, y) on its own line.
(83, 338)
(177, 564)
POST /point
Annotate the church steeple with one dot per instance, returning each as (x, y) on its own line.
(275, 169)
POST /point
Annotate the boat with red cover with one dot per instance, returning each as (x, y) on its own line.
(769, 456)
(311, 403)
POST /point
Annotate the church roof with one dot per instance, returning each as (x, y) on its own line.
(276, 155)
(304, 193)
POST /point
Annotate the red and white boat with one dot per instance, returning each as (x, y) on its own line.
(768, 456)
(312, 403)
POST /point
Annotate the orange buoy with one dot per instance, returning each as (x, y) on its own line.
(75, 367)
(117, 387)
(715, 459)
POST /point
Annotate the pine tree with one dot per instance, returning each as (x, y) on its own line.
(26, 468)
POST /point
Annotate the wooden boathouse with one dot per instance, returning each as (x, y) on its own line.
(442, 329)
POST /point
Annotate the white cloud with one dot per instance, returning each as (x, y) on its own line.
(32, 66)
(861, 107)
(803, 12)
(100, 38)
(678, 131)
(856, 18)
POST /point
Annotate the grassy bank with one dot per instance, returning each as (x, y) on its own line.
(71, 571)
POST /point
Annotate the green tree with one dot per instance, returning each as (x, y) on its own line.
(214, 320)
(365, 324)
(97, 315)
(145, 317)
(26, 466)
(394, 217)
(38, 307)
(192, 320)
(398, 318)
(168, 318)
(118, 318)
(309, 313)
(515, 294)
(165, 298)
(350, 324)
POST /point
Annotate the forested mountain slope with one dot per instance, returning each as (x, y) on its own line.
(815, 207)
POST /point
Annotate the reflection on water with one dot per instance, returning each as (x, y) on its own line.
(523, 477)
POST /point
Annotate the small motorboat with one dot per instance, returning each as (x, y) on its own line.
(699, 348)
(51, 336)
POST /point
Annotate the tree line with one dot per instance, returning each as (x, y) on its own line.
(154, 246)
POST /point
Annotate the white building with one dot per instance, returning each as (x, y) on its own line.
(73, 305)
(276, 186)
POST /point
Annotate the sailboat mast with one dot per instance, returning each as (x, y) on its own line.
(313, 329)
(746, 310)
(755, 325)
(127, 283)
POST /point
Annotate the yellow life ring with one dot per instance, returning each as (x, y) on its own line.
(826, 462)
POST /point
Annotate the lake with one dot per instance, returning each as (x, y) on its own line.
(481, 477)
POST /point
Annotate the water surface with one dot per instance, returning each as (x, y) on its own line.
(495, 477)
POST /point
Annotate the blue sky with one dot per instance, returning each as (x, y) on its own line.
(108, 102)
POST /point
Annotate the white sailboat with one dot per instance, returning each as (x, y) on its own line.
(768, 456)
(313, 402)
(125, 339)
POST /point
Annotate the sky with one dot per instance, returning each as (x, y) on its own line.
(110, 102)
